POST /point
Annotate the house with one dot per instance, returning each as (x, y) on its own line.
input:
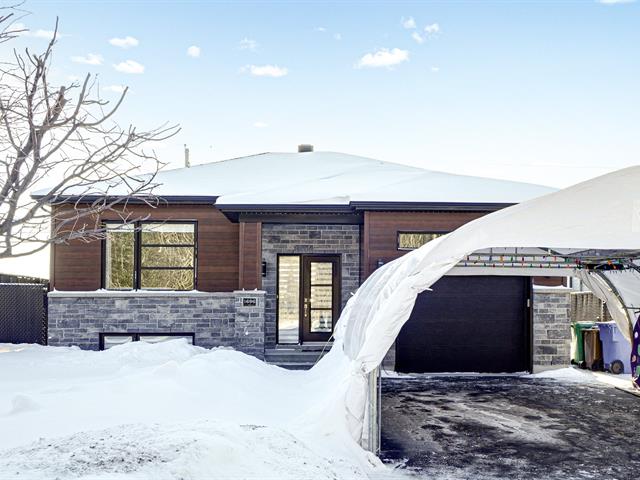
(261, 253)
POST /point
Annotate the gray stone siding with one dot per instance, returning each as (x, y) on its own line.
(216, 319)
(307, 239)
(551, 328)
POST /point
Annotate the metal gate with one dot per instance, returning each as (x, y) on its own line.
(23, 312)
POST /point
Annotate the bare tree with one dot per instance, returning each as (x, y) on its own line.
(64, 138)
(7, 15)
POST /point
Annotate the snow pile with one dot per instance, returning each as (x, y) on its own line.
(569, 375)
(202, 449)
(171, 410)
(575, 375)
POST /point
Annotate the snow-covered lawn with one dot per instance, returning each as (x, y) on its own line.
(170, 411)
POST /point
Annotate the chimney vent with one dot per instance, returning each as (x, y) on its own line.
(305, 147)
(187, 160)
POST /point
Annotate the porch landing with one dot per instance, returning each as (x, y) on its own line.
(296, 357)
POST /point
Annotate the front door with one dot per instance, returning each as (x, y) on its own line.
(320, 297)
(308, 297)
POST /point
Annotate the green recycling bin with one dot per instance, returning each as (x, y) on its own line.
(577, 342)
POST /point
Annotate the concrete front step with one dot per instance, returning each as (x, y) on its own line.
(292, 365)
(295, 357)
(305, 347)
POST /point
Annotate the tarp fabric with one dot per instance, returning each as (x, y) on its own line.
(602, 213)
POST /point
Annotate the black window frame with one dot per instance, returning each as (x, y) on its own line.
(416, 232)
(137, 255)
(135, 336)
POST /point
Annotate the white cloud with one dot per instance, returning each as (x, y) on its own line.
(46, 34)
(432, 29)
(383, 58)
(615, 2)
(193, 51)
(24, 31)
(417, 37)
(337, 36)
(126, 42)
(435, 69)
(129, 66)
(260, 125)
(408, 23)
(248, 44)
(320, 29)
(89, 59)
(266, 70)
(115, 88)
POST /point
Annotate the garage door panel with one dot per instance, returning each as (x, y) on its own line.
(468, 324)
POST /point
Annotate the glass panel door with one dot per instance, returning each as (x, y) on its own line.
(321, 296)
(308, 297)
(289, 299)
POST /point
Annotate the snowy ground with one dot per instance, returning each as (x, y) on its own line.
(565, 424)
(174, 411)
(169, 411)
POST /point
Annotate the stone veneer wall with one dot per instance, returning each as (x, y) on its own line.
(307, 239)
(551, 328)
(217, 319)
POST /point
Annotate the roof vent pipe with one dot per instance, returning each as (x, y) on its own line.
(305, 147)
(187, 160)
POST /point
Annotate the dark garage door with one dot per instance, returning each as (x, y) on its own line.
(468, 324)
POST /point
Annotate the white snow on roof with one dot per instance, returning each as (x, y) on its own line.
(328, 178)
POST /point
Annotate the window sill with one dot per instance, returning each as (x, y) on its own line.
(133, 293)
(149, 293)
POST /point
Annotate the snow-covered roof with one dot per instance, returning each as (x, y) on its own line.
(328, 178)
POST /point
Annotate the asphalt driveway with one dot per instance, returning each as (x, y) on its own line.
(509, 428)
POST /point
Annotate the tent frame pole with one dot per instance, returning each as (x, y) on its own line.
(374, 411)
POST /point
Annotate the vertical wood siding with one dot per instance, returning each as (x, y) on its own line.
(380, 232)
(380, 235)
(250, 268)
(77, 265)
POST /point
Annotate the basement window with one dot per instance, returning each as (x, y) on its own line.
(112, 339)
(413, 240)
(150, 256)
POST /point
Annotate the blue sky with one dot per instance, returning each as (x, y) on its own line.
(540, 91)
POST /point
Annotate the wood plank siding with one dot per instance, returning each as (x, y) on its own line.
(77, 265)
(250, 268)
(230, 254)
(380, 232)
(380, 235)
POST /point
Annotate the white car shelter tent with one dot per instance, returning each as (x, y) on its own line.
(590, 230)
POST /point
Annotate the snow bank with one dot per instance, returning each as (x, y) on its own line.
(575, 375)
(170, 410)
(202, 449)
(569, 374)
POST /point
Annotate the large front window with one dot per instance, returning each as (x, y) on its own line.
(150, 256)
